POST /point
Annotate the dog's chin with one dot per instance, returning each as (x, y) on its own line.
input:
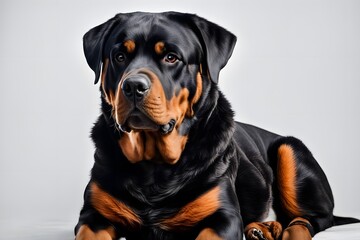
(140, 122)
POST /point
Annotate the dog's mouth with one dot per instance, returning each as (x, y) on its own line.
(139, 121)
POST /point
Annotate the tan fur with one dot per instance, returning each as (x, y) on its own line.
(297, 232)
(208, 234)
(286, 173)
(109, 94)
(130, 46)
(132, 145)
(159, 48)
(112, 209)
(85, 233)
(194, 212)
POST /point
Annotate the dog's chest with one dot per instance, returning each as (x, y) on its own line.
(165, 218)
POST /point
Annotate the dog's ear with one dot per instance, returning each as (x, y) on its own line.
(93, 43)
(217, 44)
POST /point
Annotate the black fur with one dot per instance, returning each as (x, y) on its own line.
(238, 158)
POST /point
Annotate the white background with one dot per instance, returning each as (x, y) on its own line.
(295, 71)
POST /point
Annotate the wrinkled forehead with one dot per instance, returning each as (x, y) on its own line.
(148, 29)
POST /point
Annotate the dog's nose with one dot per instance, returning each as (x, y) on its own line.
(135, 87)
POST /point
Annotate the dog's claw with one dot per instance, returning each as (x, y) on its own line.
(258, 234)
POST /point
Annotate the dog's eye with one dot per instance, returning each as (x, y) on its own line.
(120, 57)
(171, 58)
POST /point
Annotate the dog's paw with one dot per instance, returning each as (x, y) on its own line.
(256, 234)
(263, 231)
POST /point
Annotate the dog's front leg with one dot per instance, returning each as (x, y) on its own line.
(92, 225)
(85, 233)
(226, 222)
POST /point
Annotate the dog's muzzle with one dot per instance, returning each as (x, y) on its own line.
(136, 87)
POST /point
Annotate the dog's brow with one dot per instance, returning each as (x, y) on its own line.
(159, 48)
(129, 45)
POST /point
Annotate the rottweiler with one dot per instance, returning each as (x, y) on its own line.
(170, 161)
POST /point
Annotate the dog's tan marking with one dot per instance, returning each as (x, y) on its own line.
(112, 209)
(195, 99)
(195, 211)
(85, 233)
(171, 145)
(150, 145)
(132, 145)
(286, 173)
(297, 231)
(108, 93)
(155, 102)
(159, 48)
(208, 234)
(130, 46)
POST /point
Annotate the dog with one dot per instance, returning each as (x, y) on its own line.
(170, 161)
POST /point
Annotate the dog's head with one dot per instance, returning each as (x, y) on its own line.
(155, 70)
